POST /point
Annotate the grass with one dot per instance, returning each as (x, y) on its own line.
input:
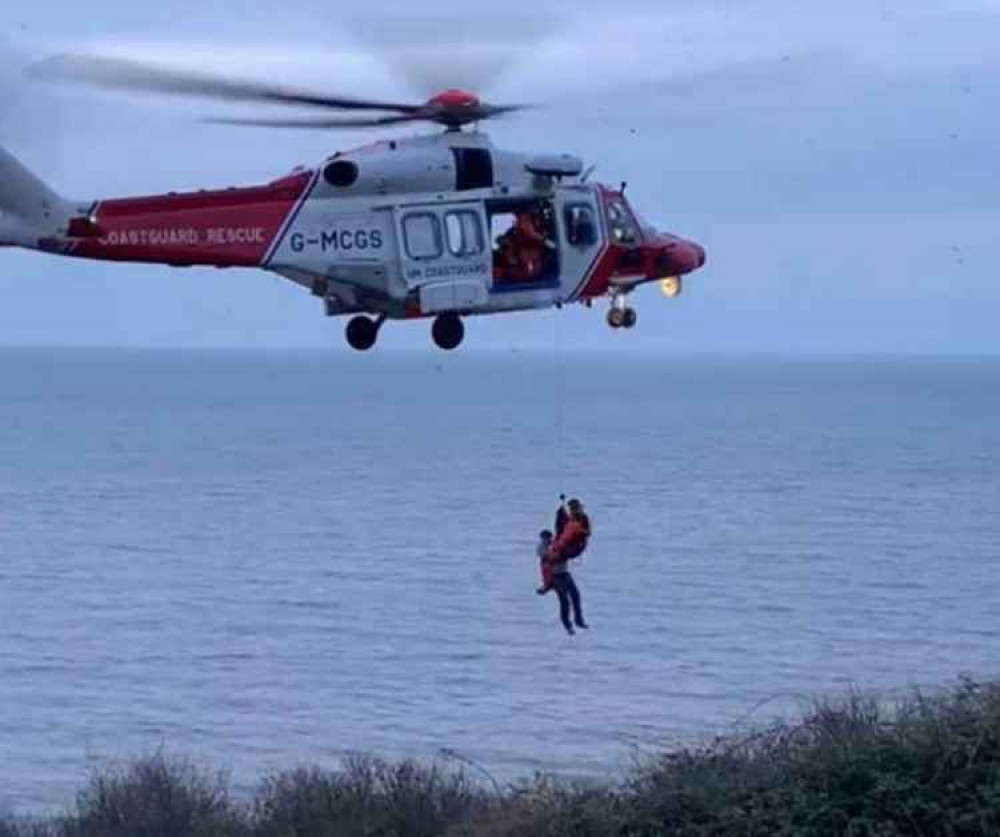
(853, 766)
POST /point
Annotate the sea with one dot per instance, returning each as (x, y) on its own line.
(259, 561)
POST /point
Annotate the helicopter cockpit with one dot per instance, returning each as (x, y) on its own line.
(622, 226)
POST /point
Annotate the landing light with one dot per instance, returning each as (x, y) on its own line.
(671, 286)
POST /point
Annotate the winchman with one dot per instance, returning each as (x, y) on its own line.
(530, 244)
(522, 248)
(570, 542)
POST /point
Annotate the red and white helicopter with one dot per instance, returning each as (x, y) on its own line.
(438, 226)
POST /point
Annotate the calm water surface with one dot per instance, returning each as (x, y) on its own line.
(264, 560)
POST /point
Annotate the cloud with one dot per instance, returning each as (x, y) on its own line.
(521, 54)
(788, 137)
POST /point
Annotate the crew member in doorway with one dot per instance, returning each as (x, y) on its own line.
(530, 244)
(569, 544)
(522, 249)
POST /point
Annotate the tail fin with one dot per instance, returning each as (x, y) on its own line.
(29, 209)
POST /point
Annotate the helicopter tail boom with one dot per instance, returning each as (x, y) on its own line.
(29, 209)
(216, 228)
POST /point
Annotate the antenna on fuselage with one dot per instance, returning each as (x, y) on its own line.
(586, 175)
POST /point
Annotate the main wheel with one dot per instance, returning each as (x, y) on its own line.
(616, 317)
(448, 331)
(631, 318)
(362, 332)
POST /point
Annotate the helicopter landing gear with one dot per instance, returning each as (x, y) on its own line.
(621, 315)
(448, 331)
(362, 332)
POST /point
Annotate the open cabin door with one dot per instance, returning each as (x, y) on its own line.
(445, 255)
(524, 241)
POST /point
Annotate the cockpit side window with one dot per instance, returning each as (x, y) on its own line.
(648, 230)
(621, 225)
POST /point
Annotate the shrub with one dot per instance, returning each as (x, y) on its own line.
(11, 827)
(854, 767)
(928, 766)
(366, 797)
(154, 797)
(547, 808)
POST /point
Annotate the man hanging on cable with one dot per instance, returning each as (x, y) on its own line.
(572, 536)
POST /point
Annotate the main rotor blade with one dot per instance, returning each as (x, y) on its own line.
(443, 117)
(316, 123)
(430, 53)
(489, 111)
(124, 74)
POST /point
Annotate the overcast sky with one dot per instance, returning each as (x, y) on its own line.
(839, 161)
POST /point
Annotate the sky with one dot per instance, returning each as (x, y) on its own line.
(838, 161)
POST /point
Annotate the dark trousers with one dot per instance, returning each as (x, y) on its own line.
(569, 594)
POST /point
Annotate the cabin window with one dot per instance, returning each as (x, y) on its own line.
(422, 232)
(473, 168)
(581, 225)
(464, 233)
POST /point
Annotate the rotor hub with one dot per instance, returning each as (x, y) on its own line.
(454, 99)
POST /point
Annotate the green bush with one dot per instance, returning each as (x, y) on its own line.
(154, 797)
(547, 808)
(853, 767)
(367, 797)
(926, 766)
(26, 828)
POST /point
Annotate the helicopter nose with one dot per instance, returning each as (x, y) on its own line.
(680, 257)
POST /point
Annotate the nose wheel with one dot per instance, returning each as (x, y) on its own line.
(448, 331)
(621, 315)
(362, 332)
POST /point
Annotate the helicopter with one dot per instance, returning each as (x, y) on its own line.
(439, 226)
